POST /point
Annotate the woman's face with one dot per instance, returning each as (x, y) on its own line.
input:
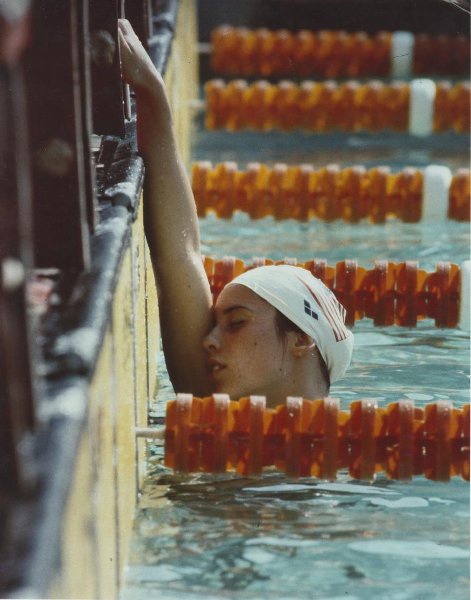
(244, 352)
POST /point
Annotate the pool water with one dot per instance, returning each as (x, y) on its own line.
(205, 536)
(272, 538)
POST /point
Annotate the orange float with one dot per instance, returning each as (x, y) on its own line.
(315, 438)
(329, 106)
(301, 192)
(336, 54)
(389, 293)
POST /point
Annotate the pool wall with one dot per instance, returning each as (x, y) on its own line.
(67, 534)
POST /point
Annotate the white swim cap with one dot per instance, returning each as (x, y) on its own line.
(310, 305)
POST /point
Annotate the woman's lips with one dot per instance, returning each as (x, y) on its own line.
(215, 367)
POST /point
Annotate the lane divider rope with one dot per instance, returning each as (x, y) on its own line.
(314, 438)
(390, 293)
(420, 107)
(302, 192)
(333, 54)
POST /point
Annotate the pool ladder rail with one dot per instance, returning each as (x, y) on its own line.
(334, 54)
(353, 194)
(314, 438)
(389, 294)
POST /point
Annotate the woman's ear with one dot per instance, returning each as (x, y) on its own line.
(302, 344)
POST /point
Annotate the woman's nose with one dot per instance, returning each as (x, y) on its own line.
(211, 341)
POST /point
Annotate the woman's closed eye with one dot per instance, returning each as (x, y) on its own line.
(234, 318)
(235, 324)
(237, 319)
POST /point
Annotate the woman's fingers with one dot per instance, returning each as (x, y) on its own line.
(125, 53)
(122, 41)
(134, 59)
(138, 69)
(127, 35)
(125, 26)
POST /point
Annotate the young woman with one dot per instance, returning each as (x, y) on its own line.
(275, 331)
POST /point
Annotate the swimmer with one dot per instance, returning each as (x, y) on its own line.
(275, 331)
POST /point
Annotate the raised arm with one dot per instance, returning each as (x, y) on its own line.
(171, 224)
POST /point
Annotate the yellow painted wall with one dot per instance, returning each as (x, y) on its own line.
(102, 501)
(78, 552)
(146, 333)
(124, 373)
(102, 430)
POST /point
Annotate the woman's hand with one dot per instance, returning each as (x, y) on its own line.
(138, 70)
